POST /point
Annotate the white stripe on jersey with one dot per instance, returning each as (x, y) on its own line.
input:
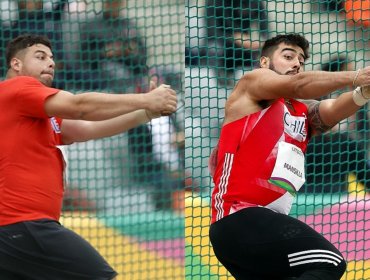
(222, 188)
(312, 256)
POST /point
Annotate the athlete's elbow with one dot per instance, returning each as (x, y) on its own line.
(75, 114)
(81, 110)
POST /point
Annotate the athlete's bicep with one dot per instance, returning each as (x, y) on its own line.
(61, 104)
(265, 84)
(316, 123)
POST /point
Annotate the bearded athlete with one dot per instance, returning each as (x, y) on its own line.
(35, 120)
(258, 165)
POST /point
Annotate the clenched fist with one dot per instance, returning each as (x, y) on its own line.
(162, 101)
(362, 77)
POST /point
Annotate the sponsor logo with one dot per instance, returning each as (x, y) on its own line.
(55, 125)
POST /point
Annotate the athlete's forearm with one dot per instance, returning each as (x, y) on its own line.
(315, 84)
(332, 111)
(80, 131)
(98, 106)
(264, 84)
(118, 125)
(93, 106)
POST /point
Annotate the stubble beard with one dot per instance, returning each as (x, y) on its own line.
(272, 67)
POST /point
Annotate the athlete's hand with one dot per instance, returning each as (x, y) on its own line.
(152, 85)
(362, 77)
(365, 91)
(162, 101)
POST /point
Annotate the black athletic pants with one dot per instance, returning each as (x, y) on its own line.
(45, 250)
(260, 244)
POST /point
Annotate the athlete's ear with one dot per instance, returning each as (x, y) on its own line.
(264, 62)
(15, 64)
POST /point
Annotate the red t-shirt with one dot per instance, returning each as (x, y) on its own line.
(31, 166)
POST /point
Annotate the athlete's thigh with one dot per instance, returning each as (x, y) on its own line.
(236, 242)
(293, 247)
(259, 241)
(7, 275)
(69, 255)
(17, 249)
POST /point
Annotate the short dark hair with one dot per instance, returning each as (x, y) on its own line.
(22, 42)
(291, 39)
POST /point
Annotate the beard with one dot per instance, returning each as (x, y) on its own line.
(272, 67)
(47, 83)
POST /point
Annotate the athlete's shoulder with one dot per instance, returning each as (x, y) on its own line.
(253, 78)
(26, 80)
(19, 81)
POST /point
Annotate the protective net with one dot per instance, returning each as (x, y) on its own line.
(124, 193)
(333, 200)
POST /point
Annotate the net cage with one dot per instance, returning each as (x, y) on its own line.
(333, 200)
(124, 194)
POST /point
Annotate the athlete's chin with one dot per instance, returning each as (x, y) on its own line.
(47, 82)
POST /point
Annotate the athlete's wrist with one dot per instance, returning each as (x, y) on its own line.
(361, 95)
(150, 115)
(355, 78)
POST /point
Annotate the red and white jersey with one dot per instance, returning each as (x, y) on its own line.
(244, 163)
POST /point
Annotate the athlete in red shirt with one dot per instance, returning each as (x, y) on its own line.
(258, 165)
(29, 148)
(34, 120)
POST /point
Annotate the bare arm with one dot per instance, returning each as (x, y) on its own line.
(80, 131)
(265, 84)
(333, 111)
(325, 114)
(95, 106)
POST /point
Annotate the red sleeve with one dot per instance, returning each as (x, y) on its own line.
(31, 96)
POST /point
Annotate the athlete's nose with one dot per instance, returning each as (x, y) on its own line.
(297, 65)
(51, 63)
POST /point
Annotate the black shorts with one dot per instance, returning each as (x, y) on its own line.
(259, 244)
(45, 250)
